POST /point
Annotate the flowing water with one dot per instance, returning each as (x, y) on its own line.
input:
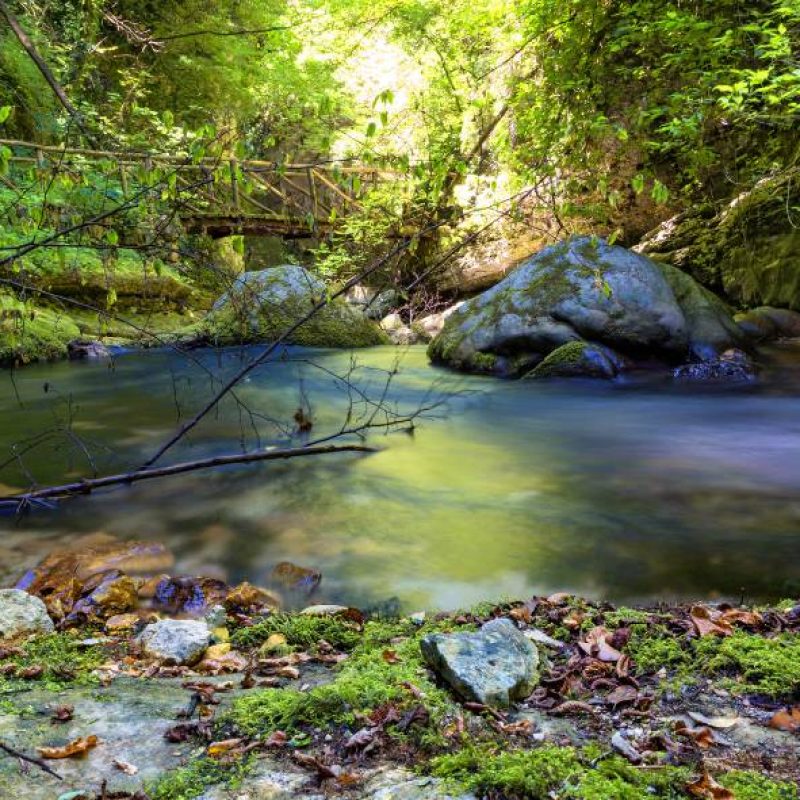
(625, 492)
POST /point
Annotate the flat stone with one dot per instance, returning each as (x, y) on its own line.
(494, 666)
(401, 784)
(328, 610)
(22, 613)
(175, 641)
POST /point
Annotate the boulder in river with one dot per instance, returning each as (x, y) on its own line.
(585, 290)
(176, 641)
(579, 359)
(766, 323)
(22, 614)
(494, 666)
(262, 305)
(733, 366)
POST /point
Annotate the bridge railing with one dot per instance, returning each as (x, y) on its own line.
(238, 194)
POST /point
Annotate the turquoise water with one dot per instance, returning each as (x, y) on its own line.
(626, 492)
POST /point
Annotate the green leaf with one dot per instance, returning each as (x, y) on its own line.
(5, 113)
(112, 237)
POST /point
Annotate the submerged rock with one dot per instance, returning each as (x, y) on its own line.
(580, 360)
(80, 349)
(494, 666)
(21, 613)
(174, 641)
(263, 304)
(733, 366)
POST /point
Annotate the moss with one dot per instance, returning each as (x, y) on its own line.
(757, 664)
(483, 362)
(335, 325)
(653, 646)
(65, 660)
(625, 616)
(192, 780)
(31, 333)
(549, 771)
(752, 786)
(301, 630)
(365, 681)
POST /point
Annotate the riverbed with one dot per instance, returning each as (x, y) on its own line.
(634, 491)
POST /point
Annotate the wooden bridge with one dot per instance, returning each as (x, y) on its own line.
(221, 196)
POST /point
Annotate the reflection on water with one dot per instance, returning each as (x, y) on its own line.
(632, 492)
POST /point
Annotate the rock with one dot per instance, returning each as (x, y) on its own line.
(324, 610)
(399, 333)
(580, 360)
(579, 289)
(105, 595)
(185, 595)
(429, 327)
(216, 617)
(766, 323)
(733, 366)
(494, 666)
(269, 780)
(373, 303)
(402, 784)
(174, 641)
(745, 250)
(22, 614)
(263, 304)
(712, 329)
(79, 349)
(295, 577)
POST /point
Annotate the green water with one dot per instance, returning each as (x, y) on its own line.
(639, 491)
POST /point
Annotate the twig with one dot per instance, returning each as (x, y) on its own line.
(30, 759)
(89, 485)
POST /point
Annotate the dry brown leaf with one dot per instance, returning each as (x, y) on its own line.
(708, 789)
(124, 766)
(787, 719)
(216, 749)
(702, 736)
(721, 723)
(622, 694)
(75, 749)
(62, 713)
(708, 621)
(597, 645)
(276, 739)
(391, 657)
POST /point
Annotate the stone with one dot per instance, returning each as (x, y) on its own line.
(744, 249)
(86, 349)
(402, 784)
(733, 366)
(580, 360)
(326, 610)
(494, 666)
(373, 303)
(766, 323)
(582, 288)
(262, 305)
(22, 614)
(174, 641)
(430, 326)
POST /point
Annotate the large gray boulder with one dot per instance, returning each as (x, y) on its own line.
(584, 289)
(176, 641)
(262, 305)
(494, 666)
(22, 614)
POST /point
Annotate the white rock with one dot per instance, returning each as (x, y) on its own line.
(176, 641)
(22, 613)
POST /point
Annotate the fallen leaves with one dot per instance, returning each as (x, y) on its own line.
(77, 748)
(787, 719)
(598, 645)
(708, 789)
(720, 621)
(124, 766)
(62, 713)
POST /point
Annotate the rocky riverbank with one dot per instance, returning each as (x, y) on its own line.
(128, 682)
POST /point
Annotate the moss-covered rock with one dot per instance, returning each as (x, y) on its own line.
(31, 333)
(766, 323)
(585, 289)
(579, 360)
(748, 251)
(263, 305)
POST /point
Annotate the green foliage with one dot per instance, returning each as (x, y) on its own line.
(752, 786)
(760, 665)
(64, 659)
(548, 771)
(302, 631)
(192, 780)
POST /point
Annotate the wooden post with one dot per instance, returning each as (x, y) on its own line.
(123, 180)
(39, 158)
(235, 186)
(312, 187)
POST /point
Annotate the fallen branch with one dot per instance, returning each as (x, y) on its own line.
(90, 484)
(30, 759)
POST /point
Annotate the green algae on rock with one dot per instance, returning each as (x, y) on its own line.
(262, 305)
(30, 332)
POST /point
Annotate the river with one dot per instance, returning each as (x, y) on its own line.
(633, 491)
